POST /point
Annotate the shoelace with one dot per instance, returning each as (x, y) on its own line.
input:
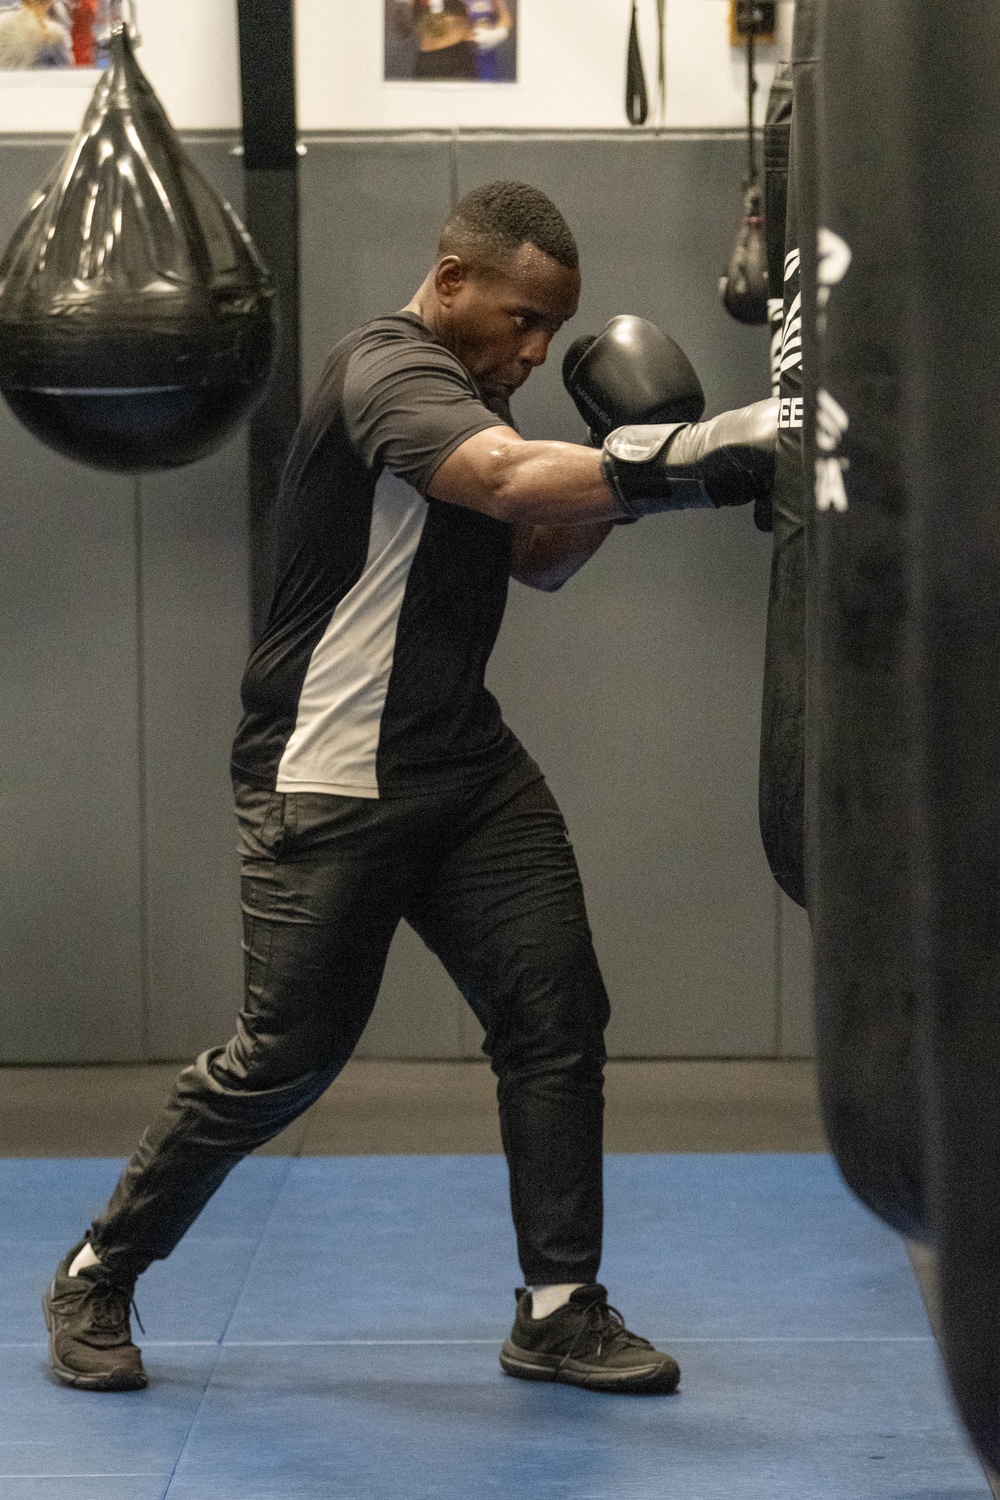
(609, 1325)
(112, 1304)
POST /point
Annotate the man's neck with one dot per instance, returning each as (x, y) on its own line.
(425, 304)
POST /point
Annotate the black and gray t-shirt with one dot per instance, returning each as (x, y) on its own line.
(368, 681)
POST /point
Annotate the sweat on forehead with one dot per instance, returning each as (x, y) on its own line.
(525, 271)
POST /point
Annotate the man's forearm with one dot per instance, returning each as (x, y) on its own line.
(546, 557)
(643, 470)
(527, 483)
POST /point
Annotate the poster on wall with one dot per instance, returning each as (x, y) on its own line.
(52, 37)
(457, 41)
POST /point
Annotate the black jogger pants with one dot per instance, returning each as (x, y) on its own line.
(487, 877)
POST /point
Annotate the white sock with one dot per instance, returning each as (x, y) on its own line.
(85, 1258)
(549, 1299)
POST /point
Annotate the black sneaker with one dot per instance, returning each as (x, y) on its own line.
(586, 1343)
(90, 1338)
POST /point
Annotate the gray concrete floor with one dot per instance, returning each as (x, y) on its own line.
(407, 1108)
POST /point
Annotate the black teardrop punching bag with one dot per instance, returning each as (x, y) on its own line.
(137, 322)
(863, 757)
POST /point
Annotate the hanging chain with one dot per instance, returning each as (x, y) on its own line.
(122, 16)
(754, 174)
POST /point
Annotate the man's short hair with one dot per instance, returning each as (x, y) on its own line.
(492, 222)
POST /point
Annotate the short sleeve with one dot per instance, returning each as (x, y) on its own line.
(408, 404)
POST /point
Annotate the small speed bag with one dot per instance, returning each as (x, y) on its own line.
(137, 322)
(744, 286)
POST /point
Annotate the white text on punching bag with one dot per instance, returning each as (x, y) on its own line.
(832, 421)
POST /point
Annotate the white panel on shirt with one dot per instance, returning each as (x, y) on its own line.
(334, 744)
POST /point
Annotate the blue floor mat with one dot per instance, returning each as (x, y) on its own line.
(755, 1422)
(330, 1328)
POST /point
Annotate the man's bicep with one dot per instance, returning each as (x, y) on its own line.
(471, 475)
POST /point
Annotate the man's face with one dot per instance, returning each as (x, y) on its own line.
(500, 322)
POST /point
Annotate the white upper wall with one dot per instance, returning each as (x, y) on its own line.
(571, 70)
(190, 52)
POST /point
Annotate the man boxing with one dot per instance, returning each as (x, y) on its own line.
(375, 778)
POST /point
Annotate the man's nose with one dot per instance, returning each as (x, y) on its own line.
(535, 349)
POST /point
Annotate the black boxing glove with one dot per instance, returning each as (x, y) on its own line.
(728, 460)
(630, 372)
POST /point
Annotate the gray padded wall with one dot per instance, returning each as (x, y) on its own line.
(124, 612)
(70, 955)
(371, 210)
(196, 639)
(795, 981)
(125, 615)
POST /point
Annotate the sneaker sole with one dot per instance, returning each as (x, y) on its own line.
(87, 1382)
(652, 1380)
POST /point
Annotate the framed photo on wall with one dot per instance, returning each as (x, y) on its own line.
(451, 41)
(52, 38)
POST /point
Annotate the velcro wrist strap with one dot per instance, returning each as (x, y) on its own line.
(636, 465)
(642, 443)
(609, 473)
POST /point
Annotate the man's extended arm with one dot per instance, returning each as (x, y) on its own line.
(526, 483)
(562, 498)
(642, 470)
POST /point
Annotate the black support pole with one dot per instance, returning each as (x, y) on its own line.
(270, 160)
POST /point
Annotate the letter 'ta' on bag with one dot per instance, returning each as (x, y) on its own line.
(137, 322)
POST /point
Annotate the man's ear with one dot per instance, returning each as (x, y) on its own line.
(449, 278)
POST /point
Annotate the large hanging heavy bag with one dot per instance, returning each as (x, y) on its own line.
(136, 319)
(782, 749)
(863, 763)
(945, 81)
